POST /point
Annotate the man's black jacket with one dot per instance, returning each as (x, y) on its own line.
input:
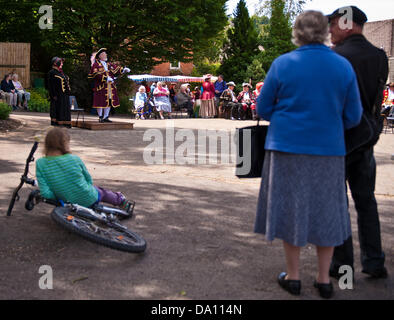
(371, 67)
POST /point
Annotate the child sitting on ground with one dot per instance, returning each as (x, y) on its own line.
(63, 176)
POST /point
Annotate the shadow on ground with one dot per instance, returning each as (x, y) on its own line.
(199, 231)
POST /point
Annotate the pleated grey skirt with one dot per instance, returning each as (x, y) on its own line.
(303, 200)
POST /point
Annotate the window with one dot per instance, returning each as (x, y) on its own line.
(175, 65)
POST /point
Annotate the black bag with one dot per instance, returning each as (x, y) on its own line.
(361, 135)
(366, 133)
(250, 151)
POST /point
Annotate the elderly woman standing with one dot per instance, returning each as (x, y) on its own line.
(303, 195)
(161, 98)
(208, 108)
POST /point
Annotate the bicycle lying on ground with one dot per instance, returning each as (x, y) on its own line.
(100, 224)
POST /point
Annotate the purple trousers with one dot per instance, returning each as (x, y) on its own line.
(108, 196)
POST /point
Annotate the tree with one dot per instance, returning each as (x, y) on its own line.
(206, 58)
(241, 47)
(278, 38)
(292, 8)
(255, 71)
(19, 23)
(140, 33)
(261, 23)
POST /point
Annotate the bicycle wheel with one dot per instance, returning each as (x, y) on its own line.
(109, 236)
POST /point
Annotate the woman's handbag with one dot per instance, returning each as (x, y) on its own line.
(250, 151)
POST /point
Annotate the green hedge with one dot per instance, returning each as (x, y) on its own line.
(39, 101)
(126, 106)
(5, 111)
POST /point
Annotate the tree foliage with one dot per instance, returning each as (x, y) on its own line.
(140, 33)
(292, 8)
(137, 33)
(241, 46)
(261, 23)
(279, 33)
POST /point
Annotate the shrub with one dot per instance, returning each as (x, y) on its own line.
(126, 106)
(39, 100)
(5, 111)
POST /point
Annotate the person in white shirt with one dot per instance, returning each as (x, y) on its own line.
(140, 101)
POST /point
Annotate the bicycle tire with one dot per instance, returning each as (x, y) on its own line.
(125, 241)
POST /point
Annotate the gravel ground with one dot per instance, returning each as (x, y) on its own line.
(197, 220)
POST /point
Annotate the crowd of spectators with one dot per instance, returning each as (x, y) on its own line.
(12, 91)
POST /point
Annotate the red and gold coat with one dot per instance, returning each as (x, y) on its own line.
(102, 88)
(385, 95)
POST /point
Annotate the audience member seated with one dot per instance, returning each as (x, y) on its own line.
(228, 102)
(184, 100)
(9, 91)
(141, 99)
(388, 100)
(248, 101)
(173, 93)
(161, 99)
(22, 94)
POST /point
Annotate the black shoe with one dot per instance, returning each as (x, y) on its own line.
(335, 274)
(326, 290)
(101, 119)
(107, 120)
(377, 274)
(291, 286)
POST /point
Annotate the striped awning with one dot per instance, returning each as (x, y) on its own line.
(153, 78)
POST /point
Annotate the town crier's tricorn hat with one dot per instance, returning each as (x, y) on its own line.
(100, 51)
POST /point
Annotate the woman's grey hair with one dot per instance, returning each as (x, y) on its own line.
(310, 27)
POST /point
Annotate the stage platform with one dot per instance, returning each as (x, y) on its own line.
(95, 125)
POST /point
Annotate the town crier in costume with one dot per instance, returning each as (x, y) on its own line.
(103, 73)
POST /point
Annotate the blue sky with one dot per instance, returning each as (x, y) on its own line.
(374, 9)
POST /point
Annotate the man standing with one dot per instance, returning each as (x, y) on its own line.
(105, 93)
(371, 67)
(220, 86)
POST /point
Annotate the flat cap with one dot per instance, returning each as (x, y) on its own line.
(354, 13)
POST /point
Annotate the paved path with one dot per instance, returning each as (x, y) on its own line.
(197, 220)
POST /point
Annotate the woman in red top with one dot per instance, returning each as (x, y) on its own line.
(208, 109)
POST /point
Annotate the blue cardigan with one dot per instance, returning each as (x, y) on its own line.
(310, 96)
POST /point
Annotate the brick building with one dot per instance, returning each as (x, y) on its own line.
(381, 34)
(169, 69)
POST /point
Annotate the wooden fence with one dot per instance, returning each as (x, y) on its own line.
(15, 57)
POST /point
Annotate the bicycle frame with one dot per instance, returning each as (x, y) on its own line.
(24, 179)
(99, 212)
